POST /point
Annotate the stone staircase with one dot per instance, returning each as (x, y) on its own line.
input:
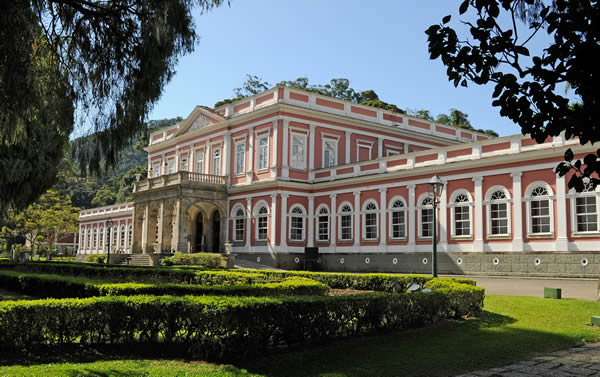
(136, 260)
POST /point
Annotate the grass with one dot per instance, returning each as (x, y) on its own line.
(510, 329)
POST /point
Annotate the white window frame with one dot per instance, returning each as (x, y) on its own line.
(488, 203)
(295, 162)
(184, 162)
(391, 210)
(392, 152)
(292, 214)
(122, 235)
(573, 196)
(88, 239)
(156, 169)
(420, 208)
(235, 217)
(339, 222)
(528, 199)
(364, 213)
(257, 216)
(364, 144)
(101, 237)
(262, 155)
(129, 235)
(216, 167)
(334, 141)
(171, 165)
(95, 239)
(239, 157)
(318, 216)
(200, 161)
(115, 234)
(452, 205)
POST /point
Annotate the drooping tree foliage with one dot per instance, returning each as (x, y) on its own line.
(109, 60)
(529, 89)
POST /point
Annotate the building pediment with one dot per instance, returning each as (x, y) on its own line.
(199, 118)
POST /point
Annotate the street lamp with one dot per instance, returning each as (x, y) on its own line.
(435, 188)
(109, 224)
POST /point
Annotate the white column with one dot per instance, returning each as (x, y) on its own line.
(311, 148)
(283, 220)
(311, 221)
(405, 147)
(517, 226)
(225, 152)
(347, 148)
(144, 230)
(411, 216)
(273, 217)
(562, 242)
(274, 162)
(478, 218)
(248, 221)
(443, 239)
(333, 229)
(160, 225)
(285, 168)
(357, 214)
(383, 217)
(250, 164)
(207, 158)
(379, 147)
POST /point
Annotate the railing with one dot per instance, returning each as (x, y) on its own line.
(179, 178)
(203, 178)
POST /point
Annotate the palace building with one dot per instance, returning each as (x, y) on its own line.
(285, 171)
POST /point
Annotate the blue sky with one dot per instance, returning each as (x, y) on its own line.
(376, 45)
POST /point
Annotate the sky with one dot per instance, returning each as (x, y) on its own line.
(376, 45)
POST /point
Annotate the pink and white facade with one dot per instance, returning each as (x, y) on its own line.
(286, 170)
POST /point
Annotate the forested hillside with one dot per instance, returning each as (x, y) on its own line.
(114, 185)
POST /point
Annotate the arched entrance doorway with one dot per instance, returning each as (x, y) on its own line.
(216, 227)
(199, 232)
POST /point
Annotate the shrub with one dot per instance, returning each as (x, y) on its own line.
(208, 260)
(4, 260)
(95, 258)
(218, 327)
(143, 274)
(56, 286)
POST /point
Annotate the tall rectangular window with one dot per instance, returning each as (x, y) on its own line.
(585, 211)
(200, 161)
(298, 152)
(427, 222)
(184, 163)
(329, 153)
(263, 152)
(216, 166)
(240, 157)
(156, 169)
(171, 166)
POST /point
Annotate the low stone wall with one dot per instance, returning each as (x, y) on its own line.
(472, 263)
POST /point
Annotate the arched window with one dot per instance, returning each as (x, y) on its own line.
(95, 239)
(115, 231)
(262, 220)
(540, 210)
(297, 215)
(426, 216)
(345, 222)
(239, 219)
(323, 223)
(88, 238)
(584, 208)
(129, 235)
(461, 213)
(101, 237)
(370, 220)
(498, 211)
(397, 219)
(122, 239)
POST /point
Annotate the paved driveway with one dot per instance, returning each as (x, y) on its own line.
(582, 289)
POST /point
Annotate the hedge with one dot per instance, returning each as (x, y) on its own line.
(223, 327)
(208, 260)
(363, 281)
(142, 274)
(55, 286)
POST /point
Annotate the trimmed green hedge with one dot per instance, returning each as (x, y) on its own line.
(208, 260)
(4, 260)
(142, 274)
(55, 286)
(222, 327)
(364, 281)
(96, 258)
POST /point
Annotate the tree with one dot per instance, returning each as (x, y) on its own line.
(50, 217)
(109, 59)
(526, 87)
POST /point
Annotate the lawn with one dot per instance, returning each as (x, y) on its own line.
(511, 328)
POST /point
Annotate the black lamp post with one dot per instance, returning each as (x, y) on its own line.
(109, 224)
(435, 188)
